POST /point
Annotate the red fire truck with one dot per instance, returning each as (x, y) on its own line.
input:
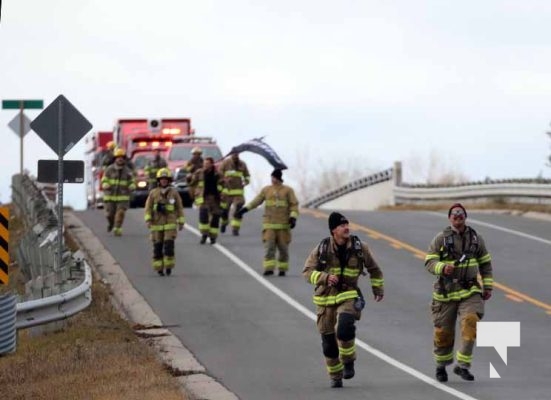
(96, 148)
(141, 138)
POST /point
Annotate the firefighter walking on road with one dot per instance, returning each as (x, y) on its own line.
(117, 182)
(153, 166)
(280, 216)
(456, 256)
(164, 213)
(333, 268)
(236, 177)
(209, 189)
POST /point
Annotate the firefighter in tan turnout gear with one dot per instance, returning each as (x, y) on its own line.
(209, 190)
(333, 268)
(456, 256)
(236, 177)
(280, 216)
(164, 213)
(117, 182)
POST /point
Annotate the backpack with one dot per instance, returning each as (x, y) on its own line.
(356, 248)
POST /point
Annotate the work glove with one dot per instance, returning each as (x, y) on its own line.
(378, 293)
(292, 222)
(487, 294)
(241, 211)
(180, 227)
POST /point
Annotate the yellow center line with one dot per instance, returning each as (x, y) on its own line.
(421, 254)
(514, 298)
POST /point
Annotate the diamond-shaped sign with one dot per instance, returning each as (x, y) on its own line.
(73, 124)
(15, 125)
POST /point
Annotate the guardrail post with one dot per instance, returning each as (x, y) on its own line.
(8, 333)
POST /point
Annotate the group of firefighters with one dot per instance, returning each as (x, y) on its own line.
(455, 256)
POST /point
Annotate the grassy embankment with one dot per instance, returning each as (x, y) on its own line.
(96, 356)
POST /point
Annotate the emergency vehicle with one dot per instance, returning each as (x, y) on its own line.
(96, 148)
(141, 138)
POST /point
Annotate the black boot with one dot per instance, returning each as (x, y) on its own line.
(160, 272)
(349, 370)
(441, 374)
(223, 229)
(109, 226)
(464, 373)
(336, 383)
(235, 232)
(203, 239)
(168, 271)
(268, 272)
(212, 240)
(281, 273)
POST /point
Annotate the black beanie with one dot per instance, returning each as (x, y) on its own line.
(457, 205)
(278, 174)
(336, 219)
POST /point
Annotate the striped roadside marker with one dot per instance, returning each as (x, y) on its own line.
(4, 240)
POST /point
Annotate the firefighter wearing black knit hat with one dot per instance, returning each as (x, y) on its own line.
(280, 216)
(456, 256)
(333, 268)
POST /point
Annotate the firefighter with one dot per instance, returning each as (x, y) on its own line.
(108, 158)
(153, 166)
(236, 177)
(193, 165)
(117, 182)
(280, 216)
(209, 189)
(164, 213)
(333, 268)
(456, 256)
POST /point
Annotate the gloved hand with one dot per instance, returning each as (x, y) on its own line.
(292, 222)
(378, 293)
(180, 227)
(486, 294)
(239, 213)
(148, 223)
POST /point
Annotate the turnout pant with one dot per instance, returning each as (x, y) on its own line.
(231, 205)
(209, 216)
(276, 239)
(115, 211)
(163, 249)
(336, 324)
(444, 317)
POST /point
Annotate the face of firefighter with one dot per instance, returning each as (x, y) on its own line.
(457, 218)
(341, 233)
(163, 182)
(208, 165)
(120, 161)
(235, 156)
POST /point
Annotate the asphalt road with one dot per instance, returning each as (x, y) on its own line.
(258, 338)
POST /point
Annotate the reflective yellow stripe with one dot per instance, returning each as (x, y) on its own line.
(458, 295)
(314, 277)
(334, 300)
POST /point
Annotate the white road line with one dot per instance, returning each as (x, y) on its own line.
(500, 228)
(293, 303)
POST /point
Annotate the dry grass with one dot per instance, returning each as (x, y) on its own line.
(96, 356)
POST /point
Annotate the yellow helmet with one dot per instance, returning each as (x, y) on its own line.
(119, 153)
(164, 173)
(110, 145)
(196, 150)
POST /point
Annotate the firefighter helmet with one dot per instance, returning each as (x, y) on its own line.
(196, 150)
(119, 153)
(164, 173)
(111, 145)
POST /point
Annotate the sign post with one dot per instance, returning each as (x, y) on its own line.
(21, 105)
(60, 126)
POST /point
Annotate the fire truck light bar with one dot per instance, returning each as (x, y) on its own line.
(171, 131)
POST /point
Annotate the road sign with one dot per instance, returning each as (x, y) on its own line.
(15, 125)
(73, 126)
(73, 171)
(4, 240)
(16, 104)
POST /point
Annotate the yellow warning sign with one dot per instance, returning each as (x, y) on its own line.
(4, 240)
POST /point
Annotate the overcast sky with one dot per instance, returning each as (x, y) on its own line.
(325, 81)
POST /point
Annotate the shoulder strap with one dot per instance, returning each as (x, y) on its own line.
(357, 248)
(322, 253)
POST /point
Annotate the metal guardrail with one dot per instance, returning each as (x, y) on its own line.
(57, 307)
(357, 184)
(53, 292)
(8, 335)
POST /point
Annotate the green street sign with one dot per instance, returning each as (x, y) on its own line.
(16, 104)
